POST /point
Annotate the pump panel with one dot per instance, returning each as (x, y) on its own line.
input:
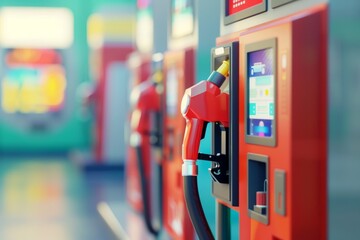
(282, 128)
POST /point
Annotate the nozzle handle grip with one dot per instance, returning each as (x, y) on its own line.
(192, 138)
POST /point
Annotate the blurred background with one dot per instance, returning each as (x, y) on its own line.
(344, 134)
(56, 165)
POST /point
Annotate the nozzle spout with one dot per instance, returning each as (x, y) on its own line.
(224, 68)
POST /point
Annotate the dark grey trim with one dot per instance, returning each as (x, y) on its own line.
(270, 43)
(223, 223)
(243, 14)
(280, 190)
(234, 124)
(230, 192)
(252, 214)
(278, 3)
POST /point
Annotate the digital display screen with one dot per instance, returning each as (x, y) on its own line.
(182, 18)
(172, 92)
(34, 81)
(235, 6)
(261, 93)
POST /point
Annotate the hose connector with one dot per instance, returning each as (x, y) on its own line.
(189, 168)
(219, 76)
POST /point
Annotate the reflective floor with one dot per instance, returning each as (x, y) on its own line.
(52, 199)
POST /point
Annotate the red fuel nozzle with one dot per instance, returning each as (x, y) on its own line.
(203, 102)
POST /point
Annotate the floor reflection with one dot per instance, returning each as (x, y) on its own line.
(52, 199)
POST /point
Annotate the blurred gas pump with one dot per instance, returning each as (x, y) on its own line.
(205, 93)
(146, 139)
(143, 166)
(104, 98)
(140, 66)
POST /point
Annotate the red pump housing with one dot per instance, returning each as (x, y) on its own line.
(290, 171)
(146, 100)
(107, 56)
(141, 68)
(178, 75)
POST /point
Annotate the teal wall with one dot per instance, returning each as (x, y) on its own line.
(344, 119)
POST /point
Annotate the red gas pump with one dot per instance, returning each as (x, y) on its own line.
(140, 66)
(178, 75)
(280, 105)
(283, 151)
(145, 137)
(99, 99)
(144, 165)
(107, 93)
(107, 55)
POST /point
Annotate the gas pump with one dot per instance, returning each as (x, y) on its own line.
(144, 163)
(178, 75)
(146, 140)
(109, 89)
(108, 96)
(140, 66)
(276, 140)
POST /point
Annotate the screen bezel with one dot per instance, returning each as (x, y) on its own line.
(249, 48)
(229, 192)
(244, 13)
(278, 3)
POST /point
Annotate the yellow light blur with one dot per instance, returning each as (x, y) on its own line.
(102, 29)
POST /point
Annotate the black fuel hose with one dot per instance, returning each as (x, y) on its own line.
(144, 192)
(195, 209)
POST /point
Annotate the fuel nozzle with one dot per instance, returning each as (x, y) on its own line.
(219, 76)
(201, 103)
